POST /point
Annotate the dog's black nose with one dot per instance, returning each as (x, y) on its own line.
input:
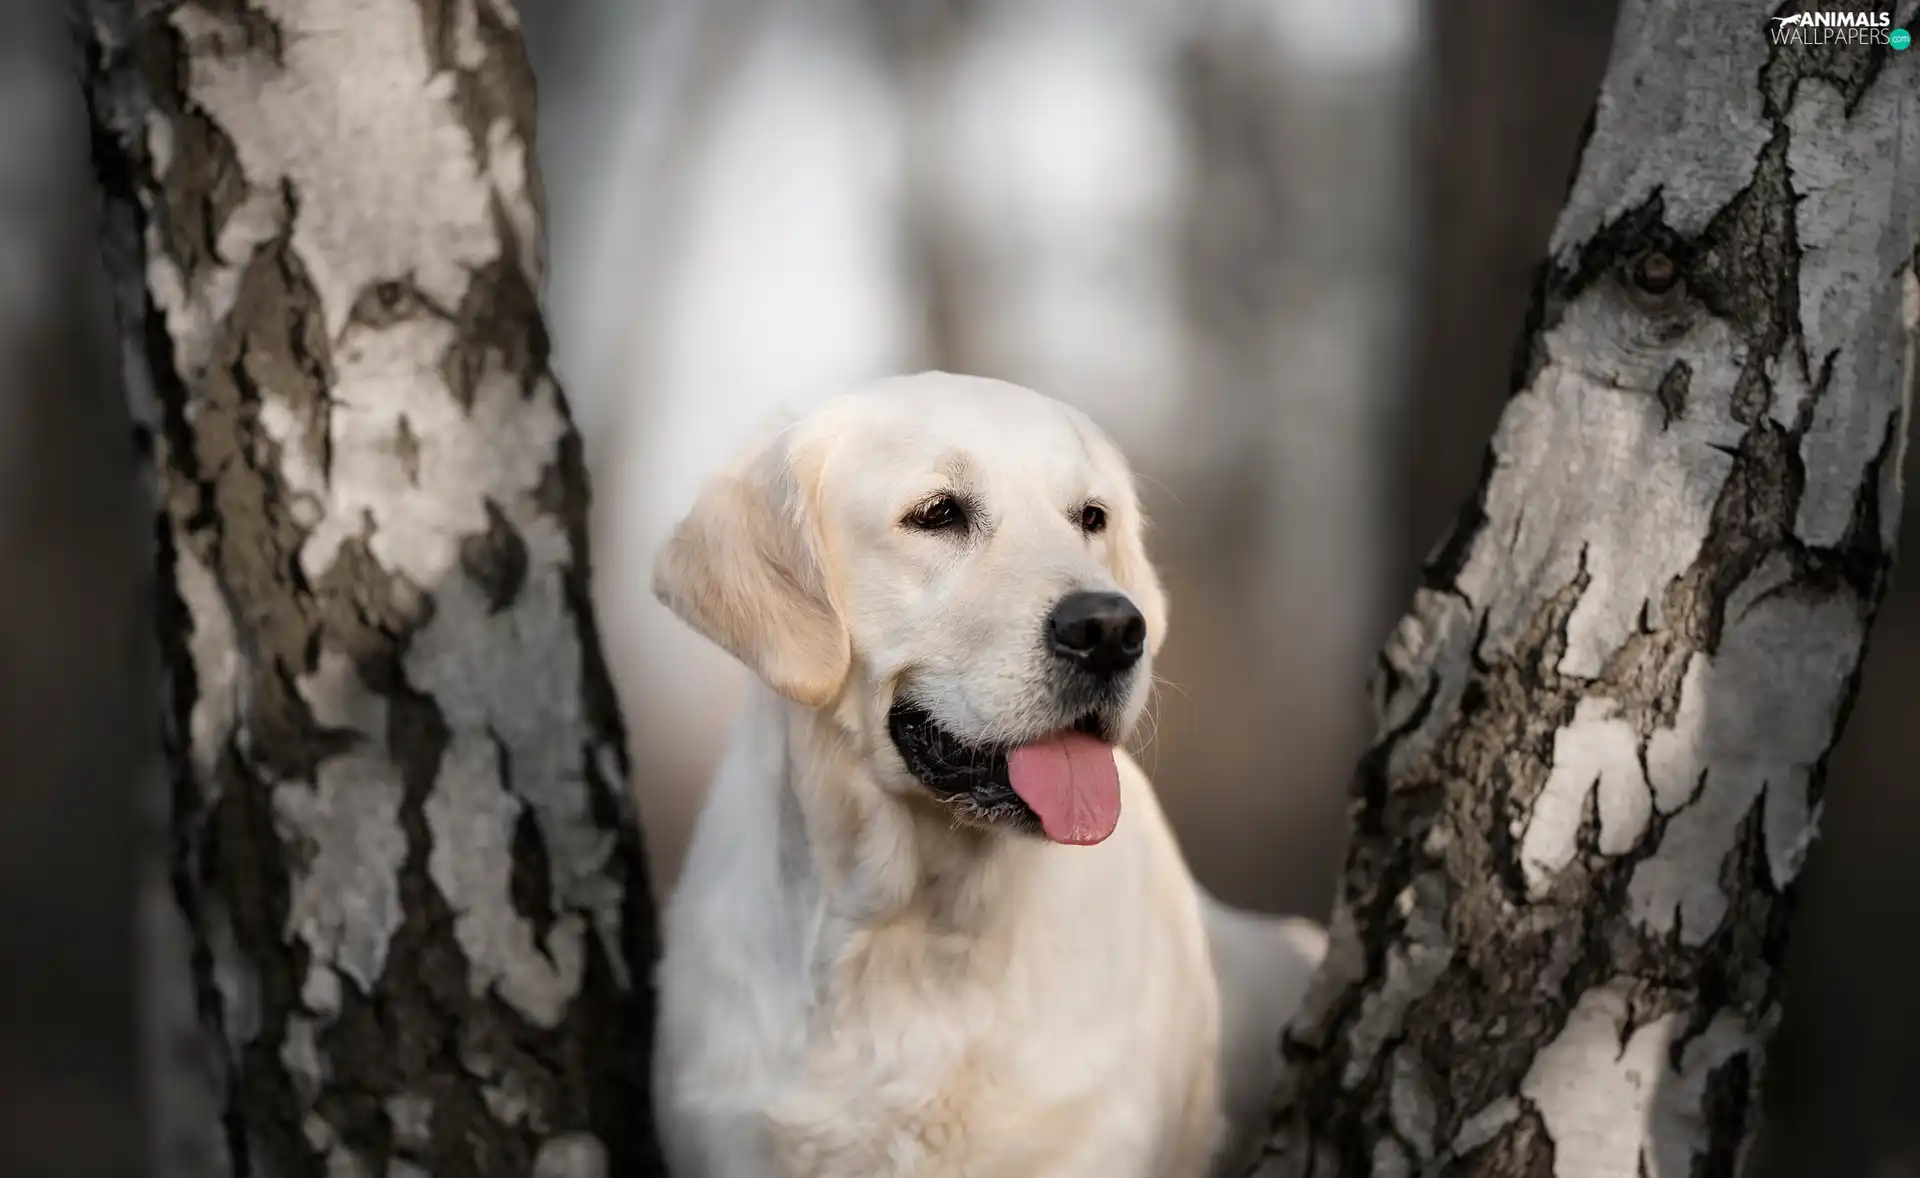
(1102, 632)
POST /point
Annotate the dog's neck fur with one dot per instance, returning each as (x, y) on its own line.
(880, 862)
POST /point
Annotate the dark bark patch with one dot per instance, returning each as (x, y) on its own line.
(1746, 264)
(389, 302)
(1672, 393)
(272, 345)
(1728, 1108)
(1524, 1149)
(498, 324)
(1752, 391)
(406, 449)
(532, 881)
(241, 30)
(1861, 558)
(565, 494)
(496, 560)
(363, 611)
(204, 182)
(613, 1045)
(1616, 249)
(499, 87)
(246, 872)
(1822, 385)
(203, 186)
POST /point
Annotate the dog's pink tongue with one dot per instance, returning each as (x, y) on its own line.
(1072, 783)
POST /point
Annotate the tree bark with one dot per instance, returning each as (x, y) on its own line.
(406, 868)
(1605, 724)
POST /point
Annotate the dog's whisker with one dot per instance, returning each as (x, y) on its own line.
(1149, 743)
(1172, 495)
(1160, 681)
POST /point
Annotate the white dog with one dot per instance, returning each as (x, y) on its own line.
(932, 921)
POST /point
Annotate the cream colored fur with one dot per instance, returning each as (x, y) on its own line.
(856, 984)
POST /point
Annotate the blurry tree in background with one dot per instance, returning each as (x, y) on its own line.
(72, 720)
(413, 933)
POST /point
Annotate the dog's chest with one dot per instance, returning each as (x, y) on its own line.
(941, 1070)
(921, 1114)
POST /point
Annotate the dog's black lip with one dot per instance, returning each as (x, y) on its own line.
(938, 759)
(971, 777)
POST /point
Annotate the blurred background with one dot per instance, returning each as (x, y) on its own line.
(1279, 248)
(1193, 221)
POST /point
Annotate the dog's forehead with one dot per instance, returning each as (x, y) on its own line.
(966, 430)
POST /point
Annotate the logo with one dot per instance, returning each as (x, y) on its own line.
(1838, 28)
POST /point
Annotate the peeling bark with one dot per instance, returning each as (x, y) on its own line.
(1604, 726)
(406, 866)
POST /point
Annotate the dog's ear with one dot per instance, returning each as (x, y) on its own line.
(745, 569)
(1137, 576)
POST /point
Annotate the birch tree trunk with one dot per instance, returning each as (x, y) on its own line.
(408, 877)
(1604, 726)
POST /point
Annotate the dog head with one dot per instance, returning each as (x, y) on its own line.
(954, 569)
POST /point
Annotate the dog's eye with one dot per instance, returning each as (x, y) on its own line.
(1093, 518)
(942, 513)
